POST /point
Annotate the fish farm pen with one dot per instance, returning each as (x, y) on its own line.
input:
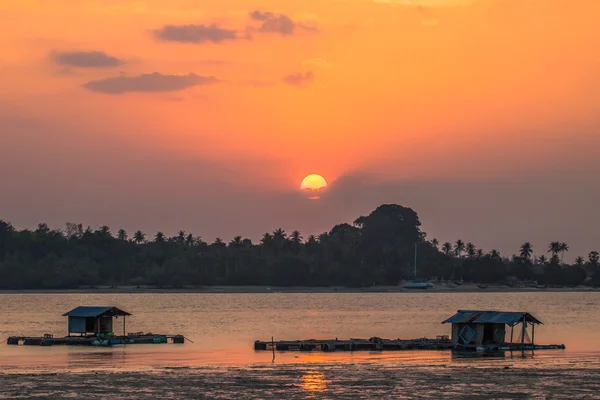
(93, 326)
(480, 331)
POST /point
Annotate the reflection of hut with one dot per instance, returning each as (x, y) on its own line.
(480, 328)
(94, 320)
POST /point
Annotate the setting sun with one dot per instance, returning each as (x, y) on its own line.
(313, 183)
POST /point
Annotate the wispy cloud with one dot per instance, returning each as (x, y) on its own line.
(155, 82)
(299, 79)
(317, 62)
(277, 23)
(195, 33)
(85, 59)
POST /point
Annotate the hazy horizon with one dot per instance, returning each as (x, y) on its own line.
(481, 115)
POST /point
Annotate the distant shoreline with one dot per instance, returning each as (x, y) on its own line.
(465, 288)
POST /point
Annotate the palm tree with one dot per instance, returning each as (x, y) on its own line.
(563, 247)
(279, 235)
(189, 240)
(122, 235)
(554, 247)
(139, 237)
(236, 246)
(459, 247)
(471, 250)
(593, 258)
(236, 241)
(447, 248)
(526, 250)
(296, 237)
(266, 239)
(542, 259)
(159, 237)
(479, 254)
(495, 254)
(104, 231)
(435, 243)
(181, 237)
(579, 261)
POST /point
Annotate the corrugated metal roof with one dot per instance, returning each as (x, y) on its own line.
(494, 317)
(95, 312)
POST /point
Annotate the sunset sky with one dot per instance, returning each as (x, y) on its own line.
(482, 115)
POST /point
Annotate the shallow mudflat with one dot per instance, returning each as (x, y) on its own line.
(327, 381)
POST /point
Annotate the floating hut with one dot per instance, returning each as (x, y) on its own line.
(95, 320)
(93, 326)
(483, 331)
(472, 329)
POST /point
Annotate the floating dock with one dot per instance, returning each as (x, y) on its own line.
(472, 331)
(93, 326)
(378, 344)
(372, 344)
(135, 338)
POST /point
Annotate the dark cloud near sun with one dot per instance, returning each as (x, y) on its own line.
(299, 79)
(85, 59)
(155, 82)
(277, 23)
(195, 33)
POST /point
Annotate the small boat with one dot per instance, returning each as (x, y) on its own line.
(417, 285)
(482, 286)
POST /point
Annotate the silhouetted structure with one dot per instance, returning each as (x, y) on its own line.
(94, 320)
(488, 328)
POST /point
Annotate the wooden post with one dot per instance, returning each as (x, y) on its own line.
(523, 327)
(124, 326)
(512, 327)
(533, 334)
(98, 327)
(273, 347)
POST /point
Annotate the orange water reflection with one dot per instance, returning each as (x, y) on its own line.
(313, 382)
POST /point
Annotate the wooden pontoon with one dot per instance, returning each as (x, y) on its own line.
(93, 326)
(481, 331)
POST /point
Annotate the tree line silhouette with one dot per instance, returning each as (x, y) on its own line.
(376, 249)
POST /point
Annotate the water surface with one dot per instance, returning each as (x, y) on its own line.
(223, 328)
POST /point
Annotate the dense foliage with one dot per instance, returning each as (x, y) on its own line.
(376, 249)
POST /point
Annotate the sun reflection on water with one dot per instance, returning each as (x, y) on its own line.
(313, 382)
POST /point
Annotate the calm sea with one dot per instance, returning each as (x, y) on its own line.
(223, 328)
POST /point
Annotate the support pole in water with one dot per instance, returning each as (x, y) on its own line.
(124, 326)
(512, 327)
(273, 347)
(415, 271)
(532, 334)
(523, 327)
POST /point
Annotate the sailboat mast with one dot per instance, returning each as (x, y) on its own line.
(415, 272)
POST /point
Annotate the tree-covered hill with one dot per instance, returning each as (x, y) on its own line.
(376, 249)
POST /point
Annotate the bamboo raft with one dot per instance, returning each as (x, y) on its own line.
(372, 344)
(132, 338)
(93, 326)
(472, 331)
(378, 344)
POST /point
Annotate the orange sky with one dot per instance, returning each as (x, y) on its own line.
(395, 90)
